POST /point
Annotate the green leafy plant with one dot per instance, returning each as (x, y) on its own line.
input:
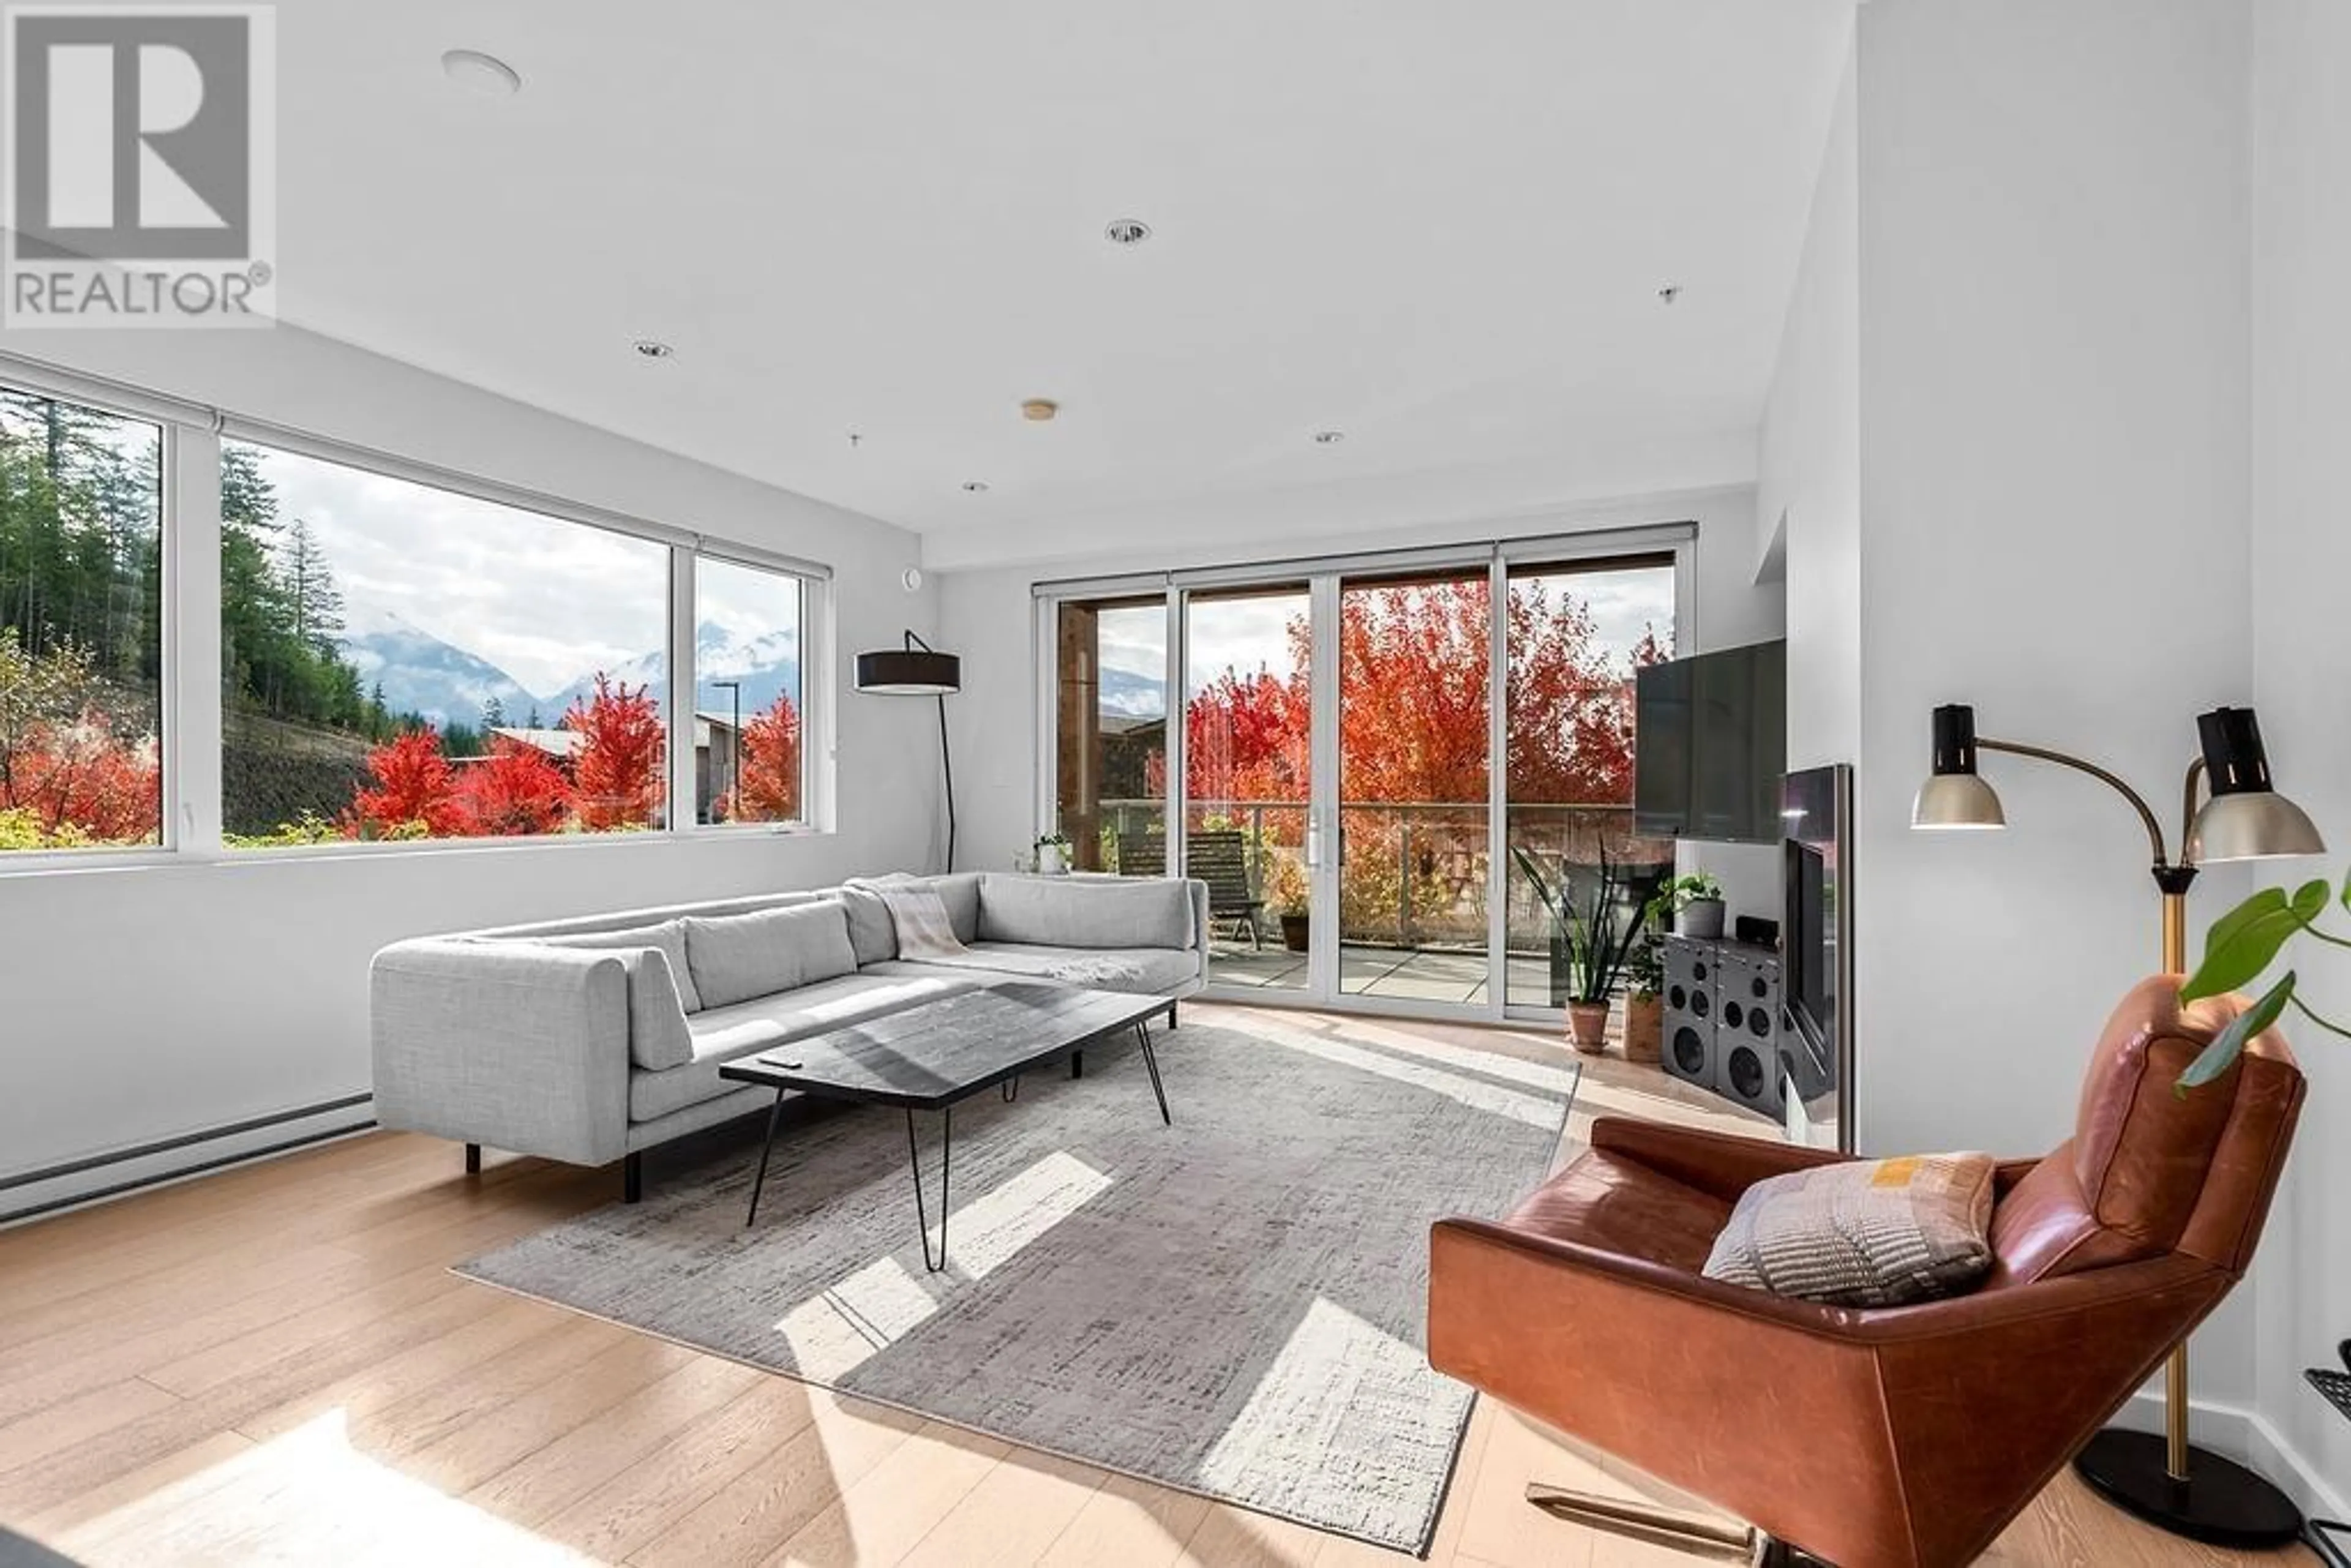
(1600, 928)
(1684, 891)
(1052, 841)
(1286, 885)
(2241, 946)
(1645, 966)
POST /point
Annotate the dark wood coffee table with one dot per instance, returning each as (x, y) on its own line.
(938, 1052)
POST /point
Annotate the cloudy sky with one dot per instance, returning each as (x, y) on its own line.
(546, 600)
(1244, 633)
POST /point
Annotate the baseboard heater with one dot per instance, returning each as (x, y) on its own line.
(27, 1195)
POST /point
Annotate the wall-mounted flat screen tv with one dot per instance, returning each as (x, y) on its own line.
(1709, 743)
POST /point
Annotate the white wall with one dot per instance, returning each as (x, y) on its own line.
(1808, 469)
(2300, 559)
(987, 616)
(138, 1003)
(2054, 306)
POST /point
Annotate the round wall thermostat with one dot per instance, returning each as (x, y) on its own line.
(913, 578)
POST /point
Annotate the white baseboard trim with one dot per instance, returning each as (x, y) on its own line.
(2246, 1436)
(27, 1195)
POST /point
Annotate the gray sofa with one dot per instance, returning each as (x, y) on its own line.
(591, 1039)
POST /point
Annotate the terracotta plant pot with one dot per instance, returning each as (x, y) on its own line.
(1297, 932)
(1644, 1029)
(1587, 1025)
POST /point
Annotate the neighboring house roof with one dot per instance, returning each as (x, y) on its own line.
(560, 743)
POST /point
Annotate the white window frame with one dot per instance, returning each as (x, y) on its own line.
(816, 747)
(189, 702)
(186, 771)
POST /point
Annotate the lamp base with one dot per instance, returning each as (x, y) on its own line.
(2220, 1503)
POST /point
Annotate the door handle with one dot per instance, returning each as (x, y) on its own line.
(1313, 839)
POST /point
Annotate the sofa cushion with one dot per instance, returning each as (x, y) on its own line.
(959, 890)
(723, 1034)
(668, 935)
(659, 1036)
(1085, 912)
(735, 958)
(872, 936)
(1144, 970)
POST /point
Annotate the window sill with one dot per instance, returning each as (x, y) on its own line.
(39, 864)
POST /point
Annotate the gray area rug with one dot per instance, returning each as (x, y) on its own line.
(1233, 1305)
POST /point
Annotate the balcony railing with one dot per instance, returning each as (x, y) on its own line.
(1412, 874)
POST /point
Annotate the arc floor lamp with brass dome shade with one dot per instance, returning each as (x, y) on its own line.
(2229, 811)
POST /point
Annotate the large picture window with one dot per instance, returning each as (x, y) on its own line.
(81, 640)
(749, 765)
(405, 662)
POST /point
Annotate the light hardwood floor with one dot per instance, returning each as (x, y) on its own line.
(275, 1364)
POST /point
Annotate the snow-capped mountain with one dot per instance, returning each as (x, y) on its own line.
(766, 665)
(1131, 696)
(421, 673)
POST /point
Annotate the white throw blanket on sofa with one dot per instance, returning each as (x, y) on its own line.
(918, 913)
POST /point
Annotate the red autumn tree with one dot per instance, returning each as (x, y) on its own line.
(514, 791)
(415, 790)
(1413, 667)
(1413, 662)
(769, 787)
(617, 773)
(82, 777)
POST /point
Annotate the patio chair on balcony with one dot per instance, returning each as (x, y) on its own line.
(1219, 857)
(1141, 854)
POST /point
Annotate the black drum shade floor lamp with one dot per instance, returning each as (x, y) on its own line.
(2229, 811)
(918, 670)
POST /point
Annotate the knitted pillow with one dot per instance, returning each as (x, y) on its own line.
(1865, 1233)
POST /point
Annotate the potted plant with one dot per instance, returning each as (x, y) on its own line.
(1645, 986)
(1288, 895)
(1697, 899)
(1594, 931)
(1052, 854)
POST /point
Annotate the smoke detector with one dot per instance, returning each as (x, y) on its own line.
(653, 349)
(977, 486)
(1329, 437)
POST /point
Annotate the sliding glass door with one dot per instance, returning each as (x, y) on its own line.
(1249, 830)
(1413, 740)
(1389, 773)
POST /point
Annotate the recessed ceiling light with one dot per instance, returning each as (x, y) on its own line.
(1039, 410)
(653, 349)
(485, 74)
(977, 486)
(1329, 437)
(1126, 231)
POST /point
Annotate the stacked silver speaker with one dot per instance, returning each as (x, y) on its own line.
(1726, 1021)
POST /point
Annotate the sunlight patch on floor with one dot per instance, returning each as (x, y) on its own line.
(834, 1333)
(1334, 1369)
(1489, 1064)
(307, 1496)
(1478, 1093)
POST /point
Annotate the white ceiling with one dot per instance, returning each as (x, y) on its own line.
(1439, 228)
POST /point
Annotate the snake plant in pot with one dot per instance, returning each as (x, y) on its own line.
(1593, 929)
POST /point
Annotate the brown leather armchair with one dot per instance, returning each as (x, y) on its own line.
(1900, 1438)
